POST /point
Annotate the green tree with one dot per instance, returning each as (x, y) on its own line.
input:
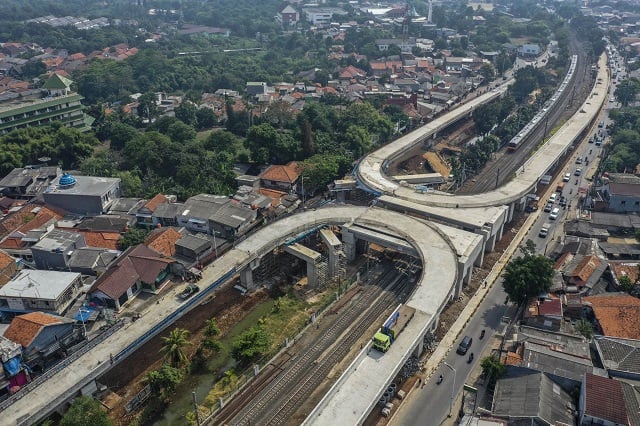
(626, 91)
(527, 275)
(488, 72)
(205, 118)
(130, 183)
(250, 344)
(625, 283)
(211, 328)
(120, 134)
(585, 328)
(85, 411)
(173, 346)
(165, 380)
(492, 368)
(147, 107)
(221, 140)
(132, 237)
(321, 169)
(187, 112)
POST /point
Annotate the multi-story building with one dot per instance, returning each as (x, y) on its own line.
(84, 195)
(58, 104)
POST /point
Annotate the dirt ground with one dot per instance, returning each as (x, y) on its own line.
(127, 378)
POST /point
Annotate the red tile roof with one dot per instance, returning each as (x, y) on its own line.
(25, 328)
(107, 240)
(604, 399)
(5, 260)
(153, 203)
(288, 173)
(585, 268)
(25, 220)
(617, 314)
(163, 240)
(139, 263)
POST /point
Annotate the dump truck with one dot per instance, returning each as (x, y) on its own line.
(392, 327)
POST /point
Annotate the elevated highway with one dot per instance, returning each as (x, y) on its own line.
(448, 249)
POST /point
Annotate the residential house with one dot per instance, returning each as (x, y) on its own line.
(84, 195)
(545, 313)
(125, 206)
(163, 240)
(54, 250)
(195, 248)
(138, 268)
(37, 290)
(28, 182)
(33, 226)
(563, 356)
(42, 336)
(11, 362)
(144, 214)
(256, 88)
(620, 357)
(8, 267)
(215, 215)
(351, 73)
(525, 396)
(602, 402)
(281, 177)
(91, 260)
(405, 45)
(616, 314)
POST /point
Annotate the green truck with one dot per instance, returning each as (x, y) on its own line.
(392, 327)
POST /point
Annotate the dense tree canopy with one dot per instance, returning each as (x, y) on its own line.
(85, 411)
(528, 275)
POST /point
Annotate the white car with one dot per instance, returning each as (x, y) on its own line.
(566, 177)
(554, 213)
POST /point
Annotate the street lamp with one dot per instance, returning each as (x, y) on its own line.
(453, 386)
(303, 191)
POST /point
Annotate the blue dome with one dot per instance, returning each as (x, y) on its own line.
(67, 180)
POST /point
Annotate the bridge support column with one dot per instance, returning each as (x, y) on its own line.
(500, 232)
(512, 207)
(349, 240)
(311, 257)
(491, 244)
(419, 348)
(246, 275)
(334, 247)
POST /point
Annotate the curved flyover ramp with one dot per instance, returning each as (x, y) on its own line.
(370, 172)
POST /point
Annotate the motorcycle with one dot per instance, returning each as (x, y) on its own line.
(481, 334)
(470, 358)
(440, 379)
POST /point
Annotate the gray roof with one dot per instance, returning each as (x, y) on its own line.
(581, 228)
(631, 395)
(85, 185)
(545, 359)
(113, 223)
(59, 239)
(91, 258)
(524, 393)
(193, 242)
(611, 219)
(125, 205)
(620, 249)
(38, 284)
(168, 210)
(619, 354)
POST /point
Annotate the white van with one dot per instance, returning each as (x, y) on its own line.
(554, 214)
(553, 198)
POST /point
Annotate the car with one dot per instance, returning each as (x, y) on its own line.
(563, 202)
(601, 124)
(548, 207)
(554, 213)
(553, 198)
(579, 160)
(544, 231)
(566, 177)
(189, 291)
(578, 172)
(465, 344)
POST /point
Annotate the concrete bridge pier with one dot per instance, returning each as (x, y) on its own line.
(349, 240)
(311, 257)
(246, 275)
(334, 247)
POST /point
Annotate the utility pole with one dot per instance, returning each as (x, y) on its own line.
(195, 408)
(497, 178)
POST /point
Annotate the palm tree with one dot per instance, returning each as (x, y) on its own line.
(173, 346)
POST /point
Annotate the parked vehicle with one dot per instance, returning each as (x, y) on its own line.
(189, 291)
(548, 208)
(392, 327)
(554, 214)
(482, 334)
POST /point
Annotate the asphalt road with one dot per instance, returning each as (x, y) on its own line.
(432, 402)
(431, 405)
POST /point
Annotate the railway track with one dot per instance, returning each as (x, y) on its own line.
(276, 397)
(501, 170)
